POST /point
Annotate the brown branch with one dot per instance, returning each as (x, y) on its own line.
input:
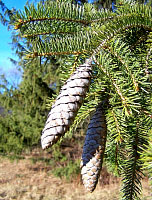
(22, 22)
(47, 33)
(36, 54)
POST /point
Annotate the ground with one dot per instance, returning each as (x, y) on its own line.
(26, 180)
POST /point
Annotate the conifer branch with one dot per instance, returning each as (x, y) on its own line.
(119, 136)
(123, 62)
(123, 99)
(22, 22)
(132, 171)
(35, 54)
(45, 33)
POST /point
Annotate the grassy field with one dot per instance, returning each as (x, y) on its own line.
(26, 180)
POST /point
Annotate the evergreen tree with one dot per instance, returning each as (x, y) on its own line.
(24, 105)
(25, 109)
(118, 46)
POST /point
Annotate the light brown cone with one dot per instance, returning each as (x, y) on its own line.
(66, 105)
(93, 150)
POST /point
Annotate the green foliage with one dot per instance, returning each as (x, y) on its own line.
(57, 154)
(69, 171)
(132, 172)
(147, 156)
(119, 44)
(25, 110)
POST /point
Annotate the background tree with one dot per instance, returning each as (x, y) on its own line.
(25, 109)
(24, 103)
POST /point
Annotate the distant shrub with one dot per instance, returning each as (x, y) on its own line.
(68, 171)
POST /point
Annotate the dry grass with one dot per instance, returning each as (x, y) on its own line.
(24, 180)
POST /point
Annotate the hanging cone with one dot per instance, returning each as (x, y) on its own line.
(66, 105)
(93, 150)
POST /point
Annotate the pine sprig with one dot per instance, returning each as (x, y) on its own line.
(102, 30)
(59, 11)
(132, 171)
(128, 98)
(117, 133)
(146, 157)
(67, 45)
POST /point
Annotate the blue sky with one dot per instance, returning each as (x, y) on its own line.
(6, 67)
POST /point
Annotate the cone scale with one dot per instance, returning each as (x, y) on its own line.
(66, 105)
(93, 150)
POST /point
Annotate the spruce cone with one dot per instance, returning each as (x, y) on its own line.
(93, 150)
(66, 105)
